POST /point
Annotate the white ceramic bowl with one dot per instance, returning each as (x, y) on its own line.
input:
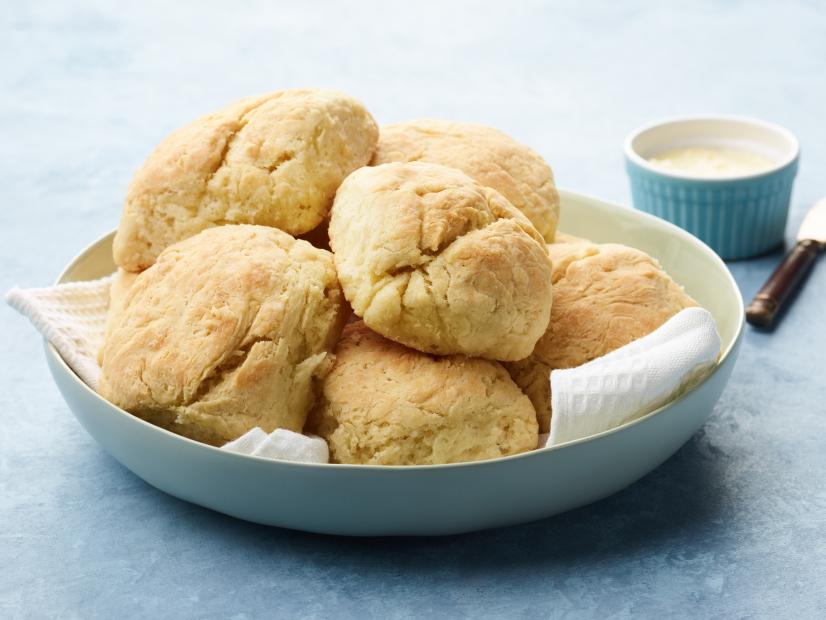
(437, 499)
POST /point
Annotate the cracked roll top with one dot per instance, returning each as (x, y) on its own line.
(273, 160)
(228, 330)
(487, 155)
(385, 404)
(605, 296)
(435, 261)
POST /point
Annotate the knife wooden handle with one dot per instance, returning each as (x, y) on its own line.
(770, 299)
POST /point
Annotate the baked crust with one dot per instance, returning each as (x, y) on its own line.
(485, 154)
(273, 160)
(228, 330)
(385, 404)
(435, 261)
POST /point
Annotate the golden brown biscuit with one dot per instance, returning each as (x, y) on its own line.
(487, 155)
(274, 160)
(434, 260)
(225, 332)
(385, 404)
(121, 284)
(605, 296)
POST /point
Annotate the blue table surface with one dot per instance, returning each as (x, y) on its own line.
(734, 525)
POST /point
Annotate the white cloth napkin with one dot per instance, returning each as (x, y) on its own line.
(73, 318)
(281, 444)
(605, 393)
(635, 379)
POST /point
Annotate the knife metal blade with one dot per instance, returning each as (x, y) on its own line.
(814, 224)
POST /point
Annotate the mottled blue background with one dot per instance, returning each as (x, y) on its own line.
(732, 526)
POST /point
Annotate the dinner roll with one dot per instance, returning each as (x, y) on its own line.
(274, 160)
(121, 283)
(225, 332)
(385, 404)
(434, 260)
(605, 296)
(487, 155)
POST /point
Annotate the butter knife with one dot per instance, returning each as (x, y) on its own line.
(811, 238)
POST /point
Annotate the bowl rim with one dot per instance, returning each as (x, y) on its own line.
(635, 158)
(563, 193)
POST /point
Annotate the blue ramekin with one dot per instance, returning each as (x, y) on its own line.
(738, 216)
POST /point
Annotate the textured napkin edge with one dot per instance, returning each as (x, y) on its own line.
(70, 342)
(281, 445)
(694, 318)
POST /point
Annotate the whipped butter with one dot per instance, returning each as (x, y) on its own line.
(711, 161)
